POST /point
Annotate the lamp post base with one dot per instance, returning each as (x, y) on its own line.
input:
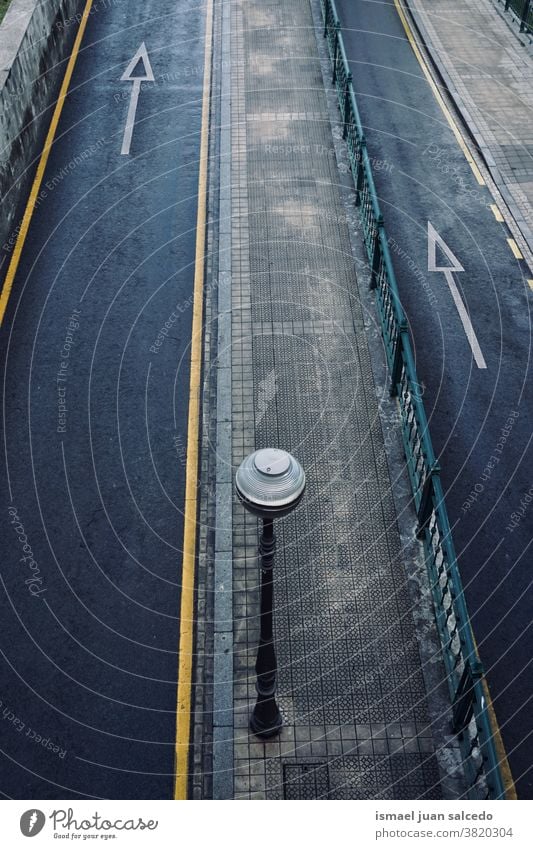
(266, 720)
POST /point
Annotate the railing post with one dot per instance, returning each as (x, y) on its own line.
(397, 365)
(360, 171)
(425, 507)
(525, 12)
(336, 52)
(463, 703)
(376, 254)
(346, 103)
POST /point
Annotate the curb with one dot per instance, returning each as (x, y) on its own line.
(223, 566)
(468, 121)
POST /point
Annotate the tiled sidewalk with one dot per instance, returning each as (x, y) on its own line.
(357, 720)
(490, 74)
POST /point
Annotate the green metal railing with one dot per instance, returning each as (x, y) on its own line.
(471, 721)
(523, 11)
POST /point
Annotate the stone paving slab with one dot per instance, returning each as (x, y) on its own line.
(358, 722)
(489, 73)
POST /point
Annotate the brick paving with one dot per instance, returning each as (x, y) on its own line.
(491, 69)
(359, 720)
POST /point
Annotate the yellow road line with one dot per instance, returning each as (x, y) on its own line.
(496, 212)
(515, 249)
(43, 161)
(507, 776)
(508, 781)
(183, 710)
(440, 100)
(530, 283)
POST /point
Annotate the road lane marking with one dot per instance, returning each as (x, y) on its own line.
(183, 709)
(496, 212)
(465, 320)
(140, 57)
(515, 249)
(43, 161)
(503, 761)
(435, 239)
(440, 100)
(530, 284)
(130, 120)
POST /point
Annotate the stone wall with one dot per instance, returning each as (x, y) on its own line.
(36, 38)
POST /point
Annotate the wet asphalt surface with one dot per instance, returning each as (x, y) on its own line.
(480, 420)
(95, 353)
(94, 451)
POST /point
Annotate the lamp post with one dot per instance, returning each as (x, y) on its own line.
(270, 483)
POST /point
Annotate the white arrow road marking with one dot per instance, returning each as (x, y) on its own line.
(141, 56)
(130, 120)
(435, 239)
(467, 324)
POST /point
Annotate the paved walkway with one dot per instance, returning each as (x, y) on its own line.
(294, 370)
(488, 70)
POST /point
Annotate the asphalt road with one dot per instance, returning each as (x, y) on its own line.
(95, 354)
(480, 419)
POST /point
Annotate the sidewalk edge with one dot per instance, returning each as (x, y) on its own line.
(223, 566)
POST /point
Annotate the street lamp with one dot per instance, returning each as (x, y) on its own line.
(270, 483)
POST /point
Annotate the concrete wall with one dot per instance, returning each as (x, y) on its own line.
(36, 37)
